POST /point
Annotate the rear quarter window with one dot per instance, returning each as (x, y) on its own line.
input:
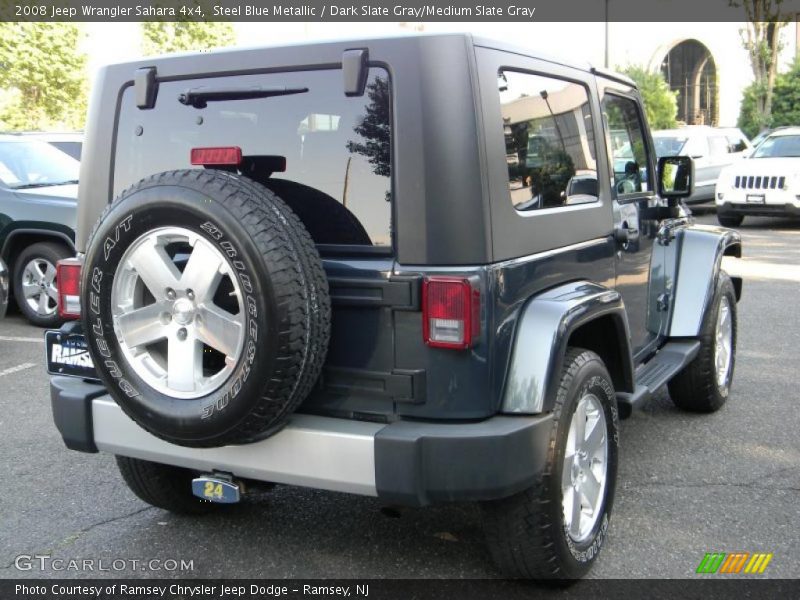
(337, 149)
(549, 139)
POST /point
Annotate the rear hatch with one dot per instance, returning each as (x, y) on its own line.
(328, 155)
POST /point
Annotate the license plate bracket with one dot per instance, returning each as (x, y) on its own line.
(68, 354)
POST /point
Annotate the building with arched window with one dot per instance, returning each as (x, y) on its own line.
(705, 63)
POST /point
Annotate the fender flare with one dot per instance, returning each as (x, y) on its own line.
(700, 260)
(63, 236)
(542, 334)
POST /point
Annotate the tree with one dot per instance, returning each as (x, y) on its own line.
(375, 129)
(761, 39)
(749, 118)
(161, 37)
(660, 102)
(785, 103)
(42, 76)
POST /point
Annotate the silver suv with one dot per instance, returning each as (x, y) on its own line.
(711, 148)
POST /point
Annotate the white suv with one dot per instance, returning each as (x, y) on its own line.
(767, 183)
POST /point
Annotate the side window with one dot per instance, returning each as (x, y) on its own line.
(737, 143)
(550, 145)
(628, 150)
(718, 145)
(696, 147)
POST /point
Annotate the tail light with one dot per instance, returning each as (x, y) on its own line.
(229, 155)
(68, 277)
(450, 312)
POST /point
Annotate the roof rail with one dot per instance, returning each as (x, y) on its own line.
(613, 76)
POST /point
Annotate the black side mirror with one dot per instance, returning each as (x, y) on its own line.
(675, 176)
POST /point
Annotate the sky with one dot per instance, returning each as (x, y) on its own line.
(118, 42)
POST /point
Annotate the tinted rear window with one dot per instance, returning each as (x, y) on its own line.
(336, 149)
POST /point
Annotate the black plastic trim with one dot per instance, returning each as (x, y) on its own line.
(146, 87)
(397, 292)
(417, 463)
(401, 385)
(71, 400)
(51, 233)
(759, 210)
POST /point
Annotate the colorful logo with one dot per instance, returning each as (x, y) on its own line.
(735, 562)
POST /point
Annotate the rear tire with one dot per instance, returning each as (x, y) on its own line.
(35, 283)
(163, 486)
(730, 220)
(207, 310)
(704, 384)
(530, 534)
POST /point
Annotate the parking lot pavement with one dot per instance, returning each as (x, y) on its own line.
(688, 484)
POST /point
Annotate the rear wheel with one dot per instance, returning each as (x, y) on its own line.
(35, 283)
(730, 220)
(163, 486)
(556, 528)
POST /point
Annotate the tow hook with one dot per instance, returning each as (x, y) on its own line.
(221, 488)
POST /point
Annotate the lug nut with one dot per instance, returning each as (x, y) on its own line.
(190, 294)
(170, 294)
(182, 333)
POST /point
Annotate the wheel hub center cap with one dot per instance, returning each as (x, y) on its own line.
(183, 311)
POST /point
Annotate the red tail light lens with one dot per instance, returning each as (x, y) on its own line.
(229, 155)
(68, 279)
(450, 312)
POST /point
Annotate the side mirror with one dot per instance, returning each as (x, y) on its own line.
(675, 176)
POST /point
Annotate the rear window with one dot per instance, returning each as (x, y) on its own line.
(336, 149)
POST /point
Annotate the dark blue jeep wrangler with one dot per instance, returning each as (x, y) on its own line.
(414, 268)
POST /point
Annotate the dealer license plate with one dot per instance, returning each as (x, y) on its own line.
(68, 355)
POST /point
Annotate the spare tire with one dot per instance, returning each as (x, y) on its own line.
(206, 308)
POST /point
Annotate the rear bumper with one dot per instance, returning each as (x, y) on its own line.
(5, 286)
(406, 463)
(758, 210)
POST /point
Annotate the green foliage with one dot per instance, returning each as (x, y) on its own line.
(42, 76)
(785, 103)
(751, 120)
(660, 103)
(160, 37)
(375, 129)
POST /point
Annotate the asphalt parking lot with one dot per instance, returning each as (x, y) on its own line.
(688, 484)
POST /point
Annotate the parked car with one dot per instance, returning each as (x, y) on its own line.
(69, 142)
(711, 148)
(38, 199)
(4, 288)
(760, 137)
(312, 285)
(765, 184)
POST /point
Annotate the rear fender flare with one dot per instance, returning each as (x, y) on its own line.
(542, 336)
